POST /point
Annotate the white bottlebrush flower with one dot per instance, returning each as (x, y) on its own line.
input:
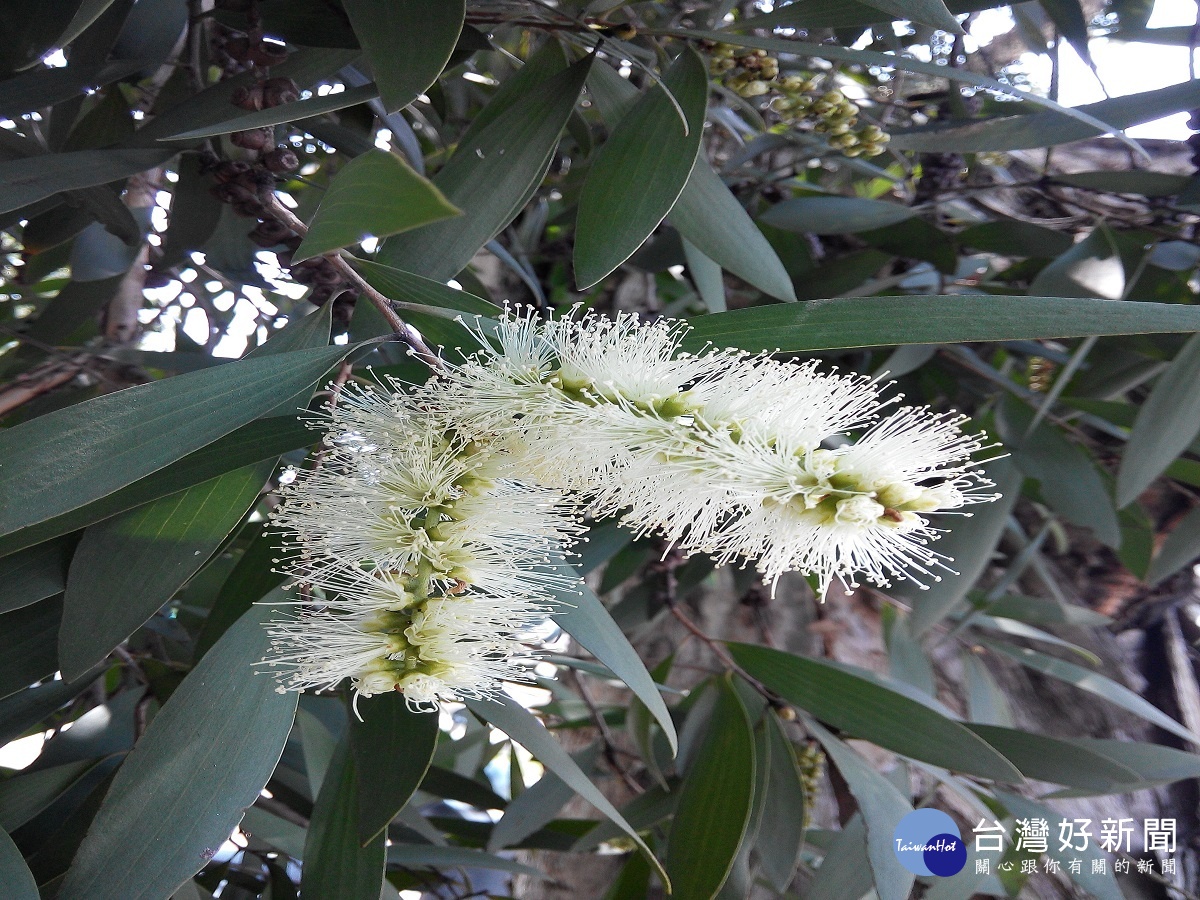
(429, 562)
(441, 648)
(744, 457)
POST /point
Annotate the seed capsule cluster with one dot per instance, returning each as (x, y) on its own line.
(797, 99)
(248, 184)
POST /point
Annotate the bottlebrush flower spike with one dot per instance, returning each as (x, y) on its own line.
(743, 457)
(426, 564)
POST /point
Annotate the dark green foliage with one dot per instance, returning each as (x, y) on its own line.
(452, 158)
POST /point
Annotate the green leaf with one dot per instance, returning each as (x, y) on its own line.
(1166, 424)
(1093, 683)
(585, 618)
(490, 177)
(714, 802)
(1154, 764)
(1131, 181)
(633, 881)
(907, 661)
(374, 195)
(641, 170)
(523, 727)
(875, 713)
(34, 574)
(707, 214)
(835, 215)
(1069, 18)
(263, 439)
(65, 459)
(1040, 611)
(986, 703)
(969, 542)
(1099, 884)
(710, 218)
(32, 178)
(24, 795)
(1013, 237)
(446, 783)
(1068, 478)
(198, 766)
(336, 865)
(14, 874)
(306, 66)
(845, 870)
(536, 807)
(29, 644)
(408, 43)
(296, 111)
(318, 744)
(882, 806)
(393, 746)
(781, 831)
(410, 291)
(1049, 127)
(706, 276)
(428, 856)
(886, 321)
(1181, 547)
(1060, 762)
(44, 87)
(253, 576)
(26, 708)
(128, 566)
(927, 12)
(1091, 268)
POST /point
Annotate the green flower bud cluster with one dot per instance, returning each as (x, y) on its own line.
(748, 73)
(797, 99)
(810, 759)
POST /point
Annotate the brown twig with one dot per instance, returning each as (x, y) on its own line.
(670, 562)
(402, 329)
(606, 735)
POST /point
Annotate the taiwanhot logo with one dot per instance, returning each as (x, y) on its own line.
(927, 842)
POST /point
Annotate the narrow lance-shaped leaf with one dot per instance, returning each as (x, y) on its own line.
(28, 644)
(493, 173)
(641, 170)
(714, 801)
(1093, 683)
(707, 214)
(585, 618)
(1166, 424)
(882, 806)
(375, 195)
(1181, 547)
(14, 874)
(128, 566)
(408, 43)
(392, 747)
(524, 728)
(34, 574)
(336, 865)
(537, 806)
(25, 181)
(60, 461)
(868, 710)
(180, 793)
(886, 321)
(295, 111)
(781, 832)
